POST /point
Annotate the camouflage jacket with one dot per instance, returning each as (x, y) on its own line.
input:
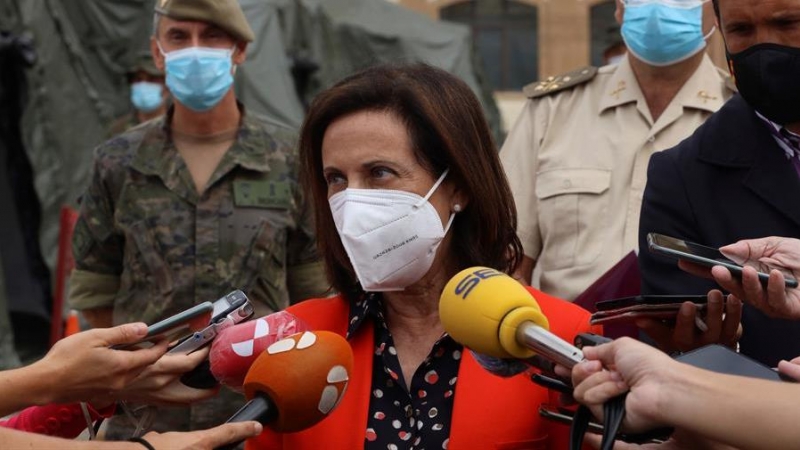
(122, 124)
(148, 245)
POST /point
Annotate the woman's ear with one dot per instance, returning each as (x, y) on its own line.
(459, 201)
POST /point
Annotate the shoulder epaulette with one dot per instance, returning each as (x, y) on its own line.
(567, 80)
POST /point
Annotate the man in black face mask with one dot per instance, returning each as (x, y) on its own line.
(738, 175)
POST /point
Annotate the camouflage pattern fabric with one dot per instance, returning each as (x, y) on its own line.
(122, 124)
(143, 221)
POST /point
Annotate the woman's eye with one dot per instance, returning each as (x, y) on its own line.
(381, 172)
(333, 179)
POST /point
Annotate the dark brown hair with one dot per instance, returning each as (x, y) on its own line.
(447, 129)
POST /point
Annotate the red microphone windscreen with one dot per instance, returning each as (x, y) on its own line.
(304, 375)
(236, 348)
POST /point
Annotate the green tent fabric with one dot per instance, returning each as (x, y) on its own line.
(343, 36)
(78, 85)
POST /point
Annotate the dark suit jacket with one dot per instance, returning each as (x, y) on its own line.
(728, 181)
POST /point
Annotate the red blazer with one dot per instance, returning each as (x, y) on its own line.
(489, 412)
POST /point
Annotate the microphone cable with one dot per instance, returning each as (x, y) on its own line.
(613, 415)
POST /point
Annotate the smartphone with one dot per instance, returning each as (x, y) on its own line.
(192, 319)
(700, 254)
(662, 307)
(228, 304)
(229, 310)
(721, 359)
(649, 302)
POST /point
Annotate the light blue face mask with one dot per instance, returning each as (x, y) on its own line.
(146, 96)
(198, 77)
(662, 33)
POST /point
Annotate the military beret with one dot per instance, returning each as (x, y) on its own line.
(226, 14)
(143, 61)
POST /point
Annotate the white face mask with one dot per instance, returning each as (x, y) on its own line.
(390, 236)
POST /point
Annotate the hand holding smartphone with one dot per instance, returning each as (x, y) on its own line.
(229, 310)
(706, 256)
(172, 327)
(663, 307)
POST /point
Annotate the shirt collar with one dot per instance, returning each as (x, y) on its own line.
(622, 88)
(151, 159)
(370, 305)
(703, 90)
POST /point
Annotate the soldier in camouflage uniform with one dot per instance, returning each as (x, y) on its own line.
(145, 80)
(190, 206)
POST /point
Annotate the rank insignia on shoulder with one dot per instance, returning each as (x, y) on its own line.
(551, 85)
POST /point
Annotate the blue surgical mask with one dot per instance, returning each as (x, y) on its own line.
(146, 96)
(198, 77)
(663, 32)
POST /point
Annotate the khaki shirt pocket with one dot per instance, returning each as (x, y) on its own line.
(572, 215)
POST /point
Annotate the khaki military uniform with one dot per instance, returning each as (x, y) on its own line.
(577, 160)
(149, 246)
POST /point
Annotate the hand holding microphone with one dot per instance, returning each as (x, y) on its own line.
(297, 381)
(159, 383)
(633, 364)
(491, 313)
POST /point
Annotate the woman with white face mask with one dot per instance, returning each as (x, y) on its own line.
(408, 190)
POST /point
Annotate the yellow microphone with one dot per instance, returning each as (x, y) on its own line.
(493, 314)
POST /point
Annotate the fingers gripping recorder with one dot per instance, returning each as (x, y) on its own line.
(491, 313)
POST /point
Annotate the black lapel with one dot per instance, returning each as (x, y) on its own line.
(737, 138)
(774, 179)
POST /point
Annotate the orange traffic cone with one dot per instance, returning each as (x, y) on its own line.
(72, 324)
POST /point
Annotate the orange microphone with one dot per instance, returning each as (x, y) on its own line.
(297, 381)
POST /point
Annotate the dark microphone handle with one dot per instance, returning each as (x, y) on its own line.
(200, 377)
(260, 408)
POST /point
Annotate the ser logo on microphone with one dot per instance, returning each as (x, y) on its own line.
(472, 279)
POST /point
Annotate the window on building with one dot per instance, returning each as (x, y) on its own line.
(607, 43)
(504, 34)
